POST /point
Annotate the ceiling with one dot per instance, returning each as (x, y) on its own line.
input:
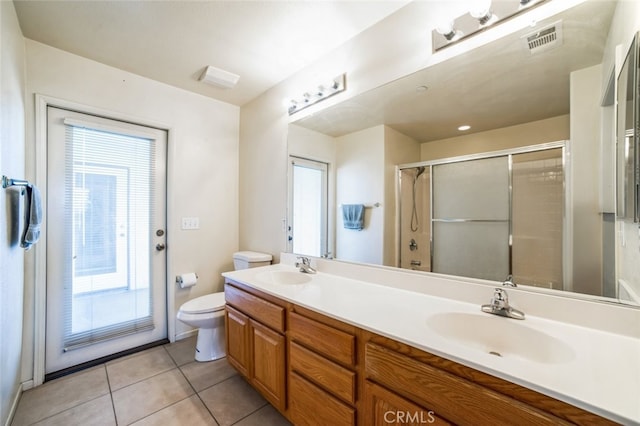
(263, 42)
(498, 85)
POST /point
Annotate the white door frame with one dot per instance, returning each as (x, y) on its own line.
(40, 250)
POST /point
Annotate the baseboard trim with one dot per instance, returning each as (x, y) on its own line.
(27, 385)
(14, 405)
(186, 334)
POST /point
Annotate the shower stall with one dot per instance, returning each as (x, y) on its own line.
(486, 216)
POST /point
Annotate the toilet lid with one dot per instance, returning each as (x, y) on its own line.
(208, 303)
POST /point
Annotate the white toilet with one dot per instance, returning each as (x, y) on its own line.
(207, 312)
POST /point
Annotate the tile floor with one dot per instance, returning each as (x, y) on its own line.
(160, 386)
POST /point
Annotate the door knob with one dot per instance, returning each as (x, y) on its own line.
(160, 246)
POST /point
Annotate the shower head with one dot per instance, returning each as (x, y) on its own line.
(420, 170)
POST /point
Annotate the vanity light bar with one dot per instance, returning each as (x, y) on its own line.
(319, 93)
(478, 20)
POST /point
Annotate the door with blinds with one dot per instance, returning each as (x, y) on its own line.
(308, 199)
(106, 212)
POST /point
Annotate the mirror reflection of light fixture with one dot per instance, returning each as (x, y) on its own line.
(483, 14)
(319, 93)
(449, 32)
(481, 10)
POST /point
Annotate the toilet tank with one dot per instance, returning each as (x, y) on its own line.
(250, 259)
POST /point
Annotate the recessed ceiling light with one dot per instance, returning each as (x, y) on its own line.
(463, 128)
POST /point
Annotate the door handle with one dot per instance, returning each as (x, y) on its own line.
(160, 247)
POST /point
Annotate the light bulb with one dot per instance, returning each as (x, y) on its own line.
(447, 30)
(481, 10)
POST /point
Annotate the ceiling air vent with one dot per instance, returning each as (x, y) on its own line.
(544, 39)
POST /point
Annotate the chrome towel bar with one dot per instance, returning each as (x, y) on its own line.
(7, 182)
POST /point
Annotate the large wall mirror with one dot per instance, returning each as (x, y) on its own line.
(535, 118)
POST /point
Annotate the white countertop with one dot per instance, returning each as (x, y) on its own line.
(601, 376)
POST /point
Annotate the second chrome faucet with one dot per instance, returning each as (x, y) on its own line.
(499, 305)
(305, 265)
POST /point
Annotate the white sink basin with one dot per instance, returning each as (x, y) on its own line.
(283, 277)
(499, 336)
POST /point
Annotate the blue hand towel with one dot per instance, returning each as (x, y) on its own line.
(353, 216)
(34, 217)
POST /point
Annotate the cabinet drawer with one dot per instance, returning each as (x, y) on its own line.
(336, 379)
(449, 396)
(266, 312)
(384, 408)
(311, 406)
(328, 341)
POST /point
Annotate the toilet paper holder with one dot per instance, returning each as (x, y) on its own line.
(186, 280)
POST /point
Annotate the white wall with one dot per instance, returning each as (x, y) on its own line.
(360, 180)
(202, 160)
(12, 143)
(398, 149)
(586, 175)
(536, 132)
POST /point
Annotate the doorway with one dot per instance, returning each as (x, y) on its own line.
(106, 234)
(308, 211)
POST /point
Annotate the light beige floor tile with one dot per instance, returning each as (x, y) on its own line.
(183, 351)
(148, 396)
(97, 412)
(134, 368)
(201, 375)
(61, 394)
(190, 411)
(266, 416)
(231, 400)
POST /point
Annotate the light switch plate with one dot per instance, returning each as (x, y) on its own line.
(190, 223)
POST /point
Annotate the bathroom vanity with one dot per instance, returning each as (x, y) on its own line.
(330, 349)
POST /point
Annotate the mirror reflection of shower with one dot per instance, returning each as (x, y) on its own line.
(414, 211)
(415, 246)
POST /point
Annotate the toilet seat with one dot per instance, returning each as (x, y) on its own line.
(204, 304)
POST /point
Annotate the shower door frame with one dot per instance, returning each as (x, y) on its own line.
(567, 228)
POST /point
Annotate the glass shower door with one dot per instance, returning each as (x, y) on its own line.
(537, 210)
(471, 218)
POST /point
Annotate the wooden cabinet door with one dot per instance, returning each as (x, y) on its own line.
(269, 374)
(237, 339)
(385, 408)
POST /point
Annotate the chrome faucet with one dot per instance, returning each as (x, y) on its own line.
(499, 305)
(305, 265)
(508, 282)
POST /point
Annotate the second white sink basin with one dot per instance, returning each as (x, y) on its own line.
(284, 277)
(499, 336)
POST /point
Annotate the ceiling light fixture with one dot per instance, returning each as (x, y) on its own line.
(464, 128)
(219, 78)
(319, 93)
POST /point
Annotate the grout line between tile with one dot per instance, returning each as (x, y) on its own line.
(113, 406)
(169, 355)
(160, 409)
(251, 413)
(198, 395)
(146, 378)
